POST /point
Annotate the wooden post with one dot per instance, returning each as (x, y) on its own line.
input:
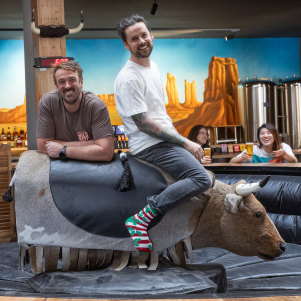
(47, 13)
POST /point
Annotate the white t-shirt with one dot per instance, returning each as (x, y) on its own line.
(261, 156)
(139, 89)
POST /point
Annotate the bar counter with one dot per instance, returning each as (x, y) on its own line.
(17, 151)
(233, 154)
(256, 168)
(215, 167)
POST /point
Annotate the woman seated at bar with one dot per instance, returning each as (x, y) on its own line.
(199, 134)
(269, 149)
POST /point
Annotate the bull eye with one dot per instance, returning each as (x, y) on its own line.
(258, 214)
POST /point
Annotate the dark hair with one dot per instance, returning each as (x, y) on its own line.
(194, 133)
(129, 21)
(273, 131)
(71, 66)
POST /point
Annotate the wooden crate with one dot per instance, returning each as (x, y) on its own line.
(7, 210)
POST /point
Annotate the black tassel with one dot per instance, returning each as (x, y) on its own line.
(126, 179)
(8, 196)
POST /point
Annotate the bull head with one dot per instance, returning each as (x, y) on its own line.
(234, 201)
(247, 213)
(55, 31)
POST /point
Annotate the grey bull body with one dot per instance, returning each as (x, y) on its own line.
(218, 218)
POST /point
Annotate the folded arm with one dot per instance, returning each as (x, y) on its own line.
(289, 156)
(148, 126)
(92, 150)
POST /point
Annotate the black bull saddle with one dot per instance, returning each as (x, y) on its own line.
(85, 193)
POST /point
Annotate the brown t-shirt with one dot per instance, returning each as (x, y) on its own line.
(90, 122)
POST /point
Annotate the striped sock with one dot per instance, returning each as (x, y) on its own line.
(137, 226)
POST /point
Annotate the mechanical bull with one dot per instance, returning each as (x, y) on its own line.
(69, 213)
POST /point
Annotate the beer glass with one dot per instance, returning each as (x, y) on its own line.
(249, 146)
(207, 151)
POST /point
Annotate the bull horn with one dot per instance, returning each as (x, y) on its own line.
(264, 181)
(246, 189)
(80, 26)
(34, 29)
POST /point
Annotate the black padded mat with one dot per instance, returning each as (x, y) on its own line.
(84, 192)
(14, 282)
(127, 282)
(253, 273)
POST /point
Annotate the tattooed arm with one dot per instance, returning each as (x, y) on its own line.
(154, 129)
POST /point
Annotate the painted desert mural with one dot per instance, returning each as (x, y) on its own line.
(217, 109)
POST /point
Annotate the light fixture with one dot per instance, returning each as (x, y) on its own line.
(229, 37)
(154, 7)
(232, 34)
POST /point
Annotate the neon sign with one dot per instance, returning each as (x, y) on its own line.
(50, 62)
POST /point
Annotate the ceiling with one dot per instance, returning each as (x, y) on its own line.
(173, 18)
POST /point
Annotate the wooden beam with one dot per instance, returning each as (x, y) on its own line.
(47, 13)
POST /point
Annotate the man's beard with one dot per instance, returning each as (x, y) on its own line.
(70, 101)
(142, 55)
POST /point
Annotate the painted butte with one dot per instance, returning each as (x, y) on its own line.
(217, 109)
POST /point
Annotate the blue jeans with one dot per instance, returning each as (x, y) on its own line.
(192, 178)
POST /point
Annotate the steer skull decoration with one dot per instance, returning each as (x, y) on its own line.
(55, 31)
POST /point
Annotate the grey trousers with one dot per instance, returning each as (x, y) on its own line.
(192, 178)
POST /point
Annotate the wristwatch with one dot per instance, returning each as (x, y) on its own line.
(62, 154)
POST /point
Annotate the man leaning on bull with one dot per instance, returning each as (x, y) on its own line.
(152, 137)
(71, 122)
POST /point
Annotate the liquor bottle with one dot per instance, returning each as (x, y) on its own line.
(119, 142)
(25, 141)
(126, 142)
(115, 142)
(18, 142)
(122, 141)
(15, 133)
(8, 135)
(3, 135)
(22, 134)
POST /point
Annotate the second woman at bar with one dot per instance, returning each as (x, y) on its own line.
(270, 149)
(199, 134)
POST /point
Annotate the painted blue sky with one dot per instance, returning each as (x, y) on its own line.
(12, 74)
(188, 59)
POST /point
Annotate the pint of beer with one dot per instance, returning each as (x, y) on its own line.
(249, 146)
(207, 151)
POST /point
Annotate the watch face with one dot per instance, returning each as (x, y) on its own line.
(62, 154)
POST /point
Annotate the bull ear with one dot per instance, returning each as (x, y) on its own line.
(233, 202)
(246, 189)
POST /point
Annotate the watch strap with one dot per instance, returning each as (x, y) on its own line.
(63, 155)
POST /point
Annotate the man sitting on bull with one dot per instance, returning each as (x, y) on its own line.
(72, 123)
(152, 136)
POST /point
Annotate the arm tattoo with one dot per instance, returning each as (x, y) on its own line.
(154, 129)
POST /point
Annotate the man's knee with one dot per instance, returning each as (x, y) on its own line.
(204, 181)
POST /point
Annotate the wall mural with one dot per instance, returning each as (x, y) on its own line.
(198, 74)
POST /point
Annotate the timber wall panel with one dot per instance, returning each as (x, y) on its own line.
(7, 210)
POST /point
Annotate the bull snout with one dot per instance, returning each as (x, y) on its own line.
(282, 247)
(277, 251)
